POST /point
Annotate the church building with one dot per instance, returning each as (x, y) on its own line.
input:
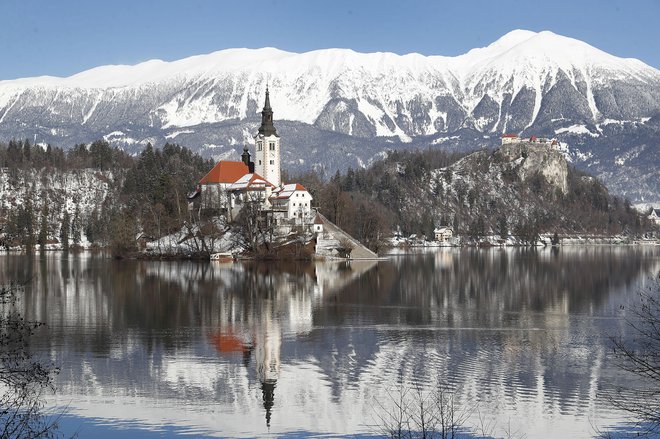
(230, 184)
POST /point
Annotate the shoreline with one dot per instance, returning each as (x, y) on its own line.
(148, 256)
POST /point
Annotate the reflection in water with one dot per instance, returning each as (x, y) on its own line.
(240, 349)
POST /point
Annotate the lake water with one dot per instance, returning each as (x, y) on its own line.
(518, 338)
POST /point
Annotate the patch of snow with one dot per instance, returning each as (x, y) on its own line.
(92, 109)
(576, 129)
(440, 140)
(177, 133)
(628, 155)
(583, 156)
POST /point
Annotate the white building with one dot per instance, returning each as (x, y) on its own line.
(655, 216)
(443, 234)
(510, 138)
(293, 199)
(514, 138)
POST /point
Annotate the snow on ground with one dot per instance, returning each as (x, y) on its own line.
(576, 129)
(184, 242)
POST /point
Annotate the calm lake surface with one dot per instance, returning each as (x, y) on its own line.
(298, 349)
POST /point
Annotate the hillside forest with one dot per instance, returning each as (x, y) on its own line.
(408, 192)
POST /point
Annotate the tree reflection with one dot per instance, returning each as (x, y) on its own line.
(509, 320)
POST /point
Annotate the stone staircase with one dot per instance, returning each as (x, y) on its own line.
(331, 238)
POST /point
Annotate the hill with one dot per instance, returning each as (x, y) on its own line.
(519, 189)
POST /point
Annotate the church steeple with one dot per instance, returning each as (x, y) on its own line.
(267, 154)
(267, 128)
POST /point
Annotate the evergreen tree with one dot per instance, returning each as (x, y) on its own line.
(101, 155)
(64, 230)
(503, 227)
(28, 222)
(43, 228)
(76, 226)
(91, 227)
(123, 231)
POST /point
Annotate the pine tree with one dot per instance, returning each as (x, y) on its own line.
(91, 227)
(27, 152)
(28, 222)
(43, 228)
(76, 226)
(503, 227)
(64, 230)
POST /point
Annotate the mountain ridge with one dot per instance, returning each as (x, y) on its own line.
(525, 82)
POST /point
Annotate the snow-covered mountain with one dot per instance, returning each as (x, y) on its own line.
(337, 108)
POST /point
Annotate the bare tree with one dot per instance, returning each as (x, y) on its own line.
(640, 355)
(256, 224)
(22, 377)
(419, 413)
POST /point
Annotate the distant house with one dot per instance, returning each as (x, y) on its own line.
(443, 234)
(514, 138)
(510, 138)
(655, 216)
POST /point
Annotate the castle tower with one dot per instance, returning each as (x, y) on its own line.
(267, 147)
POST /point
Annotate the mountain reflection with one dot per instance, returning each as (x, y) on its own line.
(522, 332)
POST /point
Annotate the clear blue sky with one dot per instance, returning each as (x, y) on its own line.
(62, 37)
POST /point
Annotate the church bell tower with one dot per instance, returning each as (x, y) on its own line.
(267, 146)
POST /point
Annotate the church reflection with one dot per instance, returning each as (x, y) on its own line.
(278, 295)
(262, 340)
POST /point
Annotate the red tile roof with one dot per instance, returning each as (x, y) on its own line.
(225, 172)
(287, 190)
(509, 135)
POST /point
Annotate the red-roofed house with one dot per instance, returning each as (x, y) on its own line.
(510, 138)
(293, 199)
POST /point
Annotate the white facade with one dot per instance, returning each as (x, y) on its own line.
(215, 195)
(293, 199)
(443, 234)
(510, 138)
(655, 216)
(267, 158)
